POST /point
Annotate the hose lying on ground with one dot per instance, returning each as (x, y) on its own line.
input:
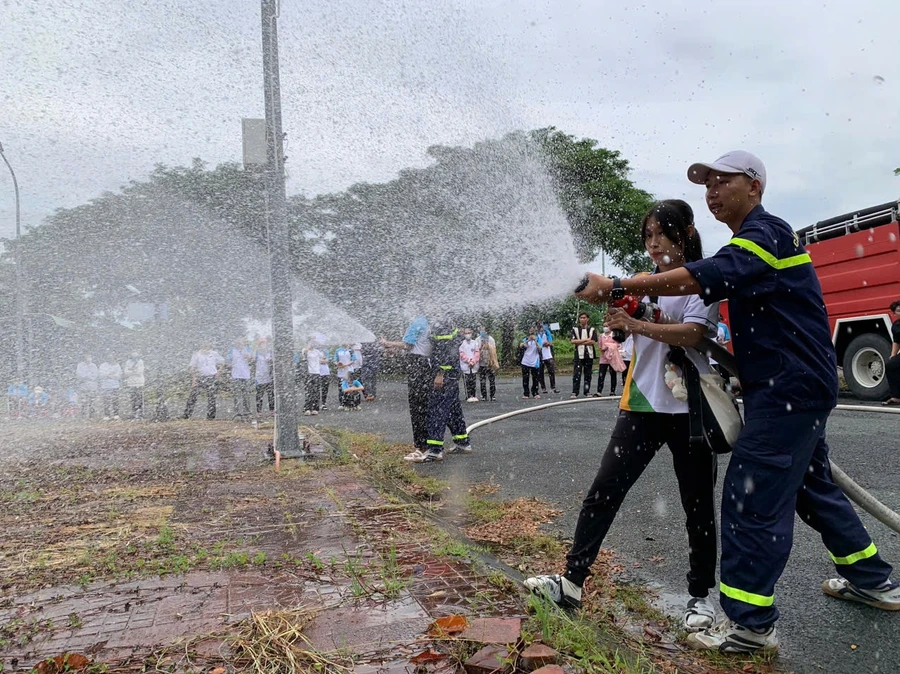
(854, 492)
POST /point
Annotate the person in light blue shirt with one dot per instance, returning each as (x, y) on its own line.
(351, 392)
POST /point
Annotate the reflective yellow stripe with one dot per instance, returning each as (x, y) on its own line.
(450, 336)
(439, 443)
(770, 259)
(870, 551)
(465, 436)
(446, 367)
(746, 597)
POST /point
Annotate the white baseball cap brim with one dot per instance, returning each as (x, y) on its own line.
(736, 161)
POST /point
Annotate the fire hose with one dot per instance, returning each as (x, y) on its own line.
(854, 491)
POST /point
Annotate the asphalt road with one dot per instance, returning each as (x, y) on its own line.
(553, 455)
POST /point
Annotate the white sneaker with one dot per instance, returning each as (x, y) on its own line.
(700, 614)
(886, 596)
(424, 457)
(472, 400)
(460, 449)
(314, 413)
(729, 637)
(307, 413)
(561, 591)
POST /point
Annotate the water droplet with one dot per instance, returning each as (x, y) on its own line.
(878, 79)
(788, 407)
(860, 251)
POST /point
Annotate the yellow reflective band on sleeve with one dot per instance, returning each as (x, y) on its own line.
(870, 551)
(439, 443)
(446, 367)
(746, 597)
(768, 258)
(450, 336)
(464, 436)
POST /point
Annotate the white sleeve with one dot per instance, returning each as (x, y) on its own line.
(696, 311)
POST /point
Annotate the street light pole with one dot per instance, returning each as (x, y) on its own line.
(20, 339)
(287, 441)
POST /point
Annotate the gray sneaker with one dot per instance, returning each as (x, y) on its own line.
(729, 637)
(557, 589)
(886, 596)
(460, 449)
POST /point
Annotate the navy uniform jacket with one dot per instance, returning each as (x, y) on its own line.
(779, 326)
(445, 351)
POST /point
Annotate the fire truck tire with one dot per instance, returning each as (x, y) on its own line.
(864, 365)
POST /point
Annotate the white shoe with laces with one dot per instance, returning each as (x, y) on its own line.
(729, 637)
(558, 589)
(700, 614)
(886, 596)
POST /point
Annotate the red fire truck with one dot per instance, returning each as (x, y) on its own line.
(857, 259)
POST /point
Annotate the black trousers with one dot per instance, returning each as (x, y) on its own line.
(534, 373)
(486, 373)
(583, 366)
(324, 380)
(263, 390)
(604, 369)
(369, 376)
(420, 382)
(625, 373)
(634, 442)
(445, 411)
(470, 380)
(207, 384)
(137, 402)
(351, 400)
(892, 372)
(550, 366)
(313, 394)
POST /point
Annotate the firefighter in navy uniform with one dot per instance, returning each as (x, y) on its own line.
(444, 407)
(788, 371)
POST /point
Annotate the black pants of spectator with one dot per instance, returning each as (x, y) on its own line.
(548, 365)
(136, 394)
(88, 403)
(352, 400)
(420, 382)
(892, 372)
(582, 367)
(603, 370)
(486, 376)
(313, 394)
(636, 439)
(534, 373)
(625, 374)
(262, 392)
(324, 382)
(207, 384)
(471, 384)
(369, 380)
(110, 402)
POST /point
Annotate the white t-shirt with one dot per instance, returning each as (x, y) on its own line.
(546, 351)
(313, 361)
(627, 348)
(110, 374)
(205, 363)
(324, 367)
(645, 386)
(240, 363)
(264, 367)
(531, 358)
(469, 350)
(344, 359)
(720, 338)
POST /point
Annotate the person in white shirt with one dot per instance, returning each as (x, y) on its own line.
(205, 366)
(134, 382)
(584, 337)
(88, 384)
(239, 357)
(651, 416)
(110, 382)
(264, 387)
(545, 342)
(313, 360)
(324, 374)
(469, 359)
(531, 365)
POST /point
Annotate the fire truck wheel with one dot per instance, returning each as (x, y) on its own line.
(864, 365)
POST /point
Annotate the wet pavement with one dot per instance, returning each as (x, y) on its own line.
(553, 455)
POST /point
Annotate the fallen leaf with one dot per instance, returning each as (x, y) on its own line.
(435, 595)
(657, 559)
(853, 647)
(427, 655)
(217, 670)
(652, 633)
(748, 668)
(68, 662)
(451, 624)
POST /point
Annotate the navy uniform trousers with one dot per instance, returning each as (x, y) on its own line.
(445, 411)
(780, 465)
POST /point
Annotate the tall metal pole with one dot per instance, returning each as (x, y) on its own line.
(20, 339)
(287, 441)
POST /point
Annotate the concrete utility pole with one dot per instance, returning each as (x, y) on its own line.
(20, 297)
(287, 441)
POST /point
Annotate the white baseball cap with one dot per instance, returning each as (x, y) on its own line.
(736, 161)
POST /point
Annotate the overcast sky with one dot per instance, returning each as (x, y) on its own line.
(93, 93)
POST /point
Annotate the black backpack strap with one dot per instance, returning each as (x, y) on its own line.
(678, 356)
